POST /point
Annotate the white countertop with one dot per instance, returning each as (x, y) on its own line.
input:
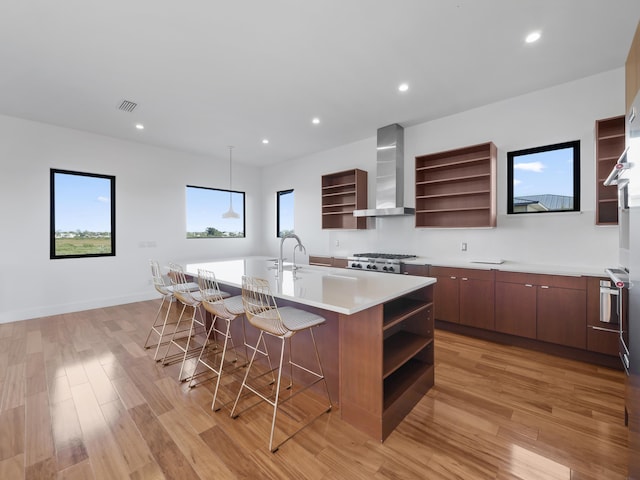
(335, 289)
(509, 266)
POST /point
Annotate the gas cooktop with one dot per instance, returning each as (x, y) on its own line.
(378, 262)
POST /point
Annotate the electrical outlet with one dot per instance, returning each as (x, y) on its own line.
(337, 243)
(463, 247)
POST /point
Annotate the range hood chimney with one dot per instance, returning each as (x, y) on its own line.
(389, 175)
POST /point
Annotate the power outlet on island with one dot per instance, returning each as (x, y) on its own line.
(463, 246)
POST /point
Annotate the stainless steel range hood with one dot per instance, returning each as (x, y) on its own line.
(389, 175)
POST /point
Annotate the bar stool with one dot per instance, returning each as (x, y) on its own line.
(283, 323)
(223, 309)
(166, 291)
(192, 299)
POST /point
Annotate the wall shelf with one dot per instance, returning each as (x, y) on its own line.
(610, 140)
(455, 179)
(342, 193)
(457, 188)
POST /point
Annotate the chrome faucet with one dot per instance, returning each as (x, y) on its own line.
(303, 250)
(299, 245)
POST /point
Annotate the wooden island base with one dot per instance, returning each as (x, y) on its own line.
(378, 362)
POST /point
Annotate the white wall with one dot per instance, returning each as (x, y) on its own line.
(150, 196)
(563, 113)
(150, 207)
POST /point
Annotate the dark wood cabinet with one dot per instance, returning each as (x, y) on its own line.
(609, 147)
(632, 70)
(325, 261)
(561, 316)
(477, 304)
(516, 308)
(559, 309)
(465, 296)
(446, 294)
(550, 308)
(342, 193)
(389, 364)
(457, 188)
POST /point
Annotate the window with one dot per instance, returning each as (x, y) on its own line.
(284, 216)
(213, 213)
(544, 179)
(83, 215)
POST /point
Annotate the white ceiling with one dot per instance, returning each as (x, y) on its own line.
(207, 74)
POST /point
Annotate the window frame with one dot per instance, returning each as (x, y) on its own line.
(279, 195)
(226, 191)
(52, 218)
(575, 145)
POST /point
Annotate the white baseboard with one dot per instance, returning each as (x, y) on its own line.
(32, 313)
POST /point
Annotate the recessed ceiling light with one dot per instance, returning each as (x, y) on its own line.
(403, 87)
(532, 37)
(265, 140)
(139, 126)
(315, 120)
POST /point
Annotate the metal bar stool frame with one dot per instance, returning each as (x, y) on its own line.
(283, 323)
(166, 292)
(223, 308)
(188, 298)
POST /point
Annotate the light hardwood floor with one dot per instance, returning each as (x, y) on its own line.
(81, 399)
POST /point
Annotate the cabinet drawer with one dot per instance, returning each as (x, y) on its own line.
(602, 341)
(562, 281)
(321, 261)
(339, 262)
(461, 273)
(418, 270)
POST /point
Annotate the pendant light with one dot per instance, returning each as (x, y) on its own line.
(230, 213)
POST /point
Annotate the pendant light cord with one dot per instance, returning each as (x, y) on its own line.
(230, 179)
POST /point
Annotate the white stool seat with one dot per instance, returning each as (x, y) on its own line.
(183, 287)
(228, 308)
(285, 321)
(296, 319)
(234, 305)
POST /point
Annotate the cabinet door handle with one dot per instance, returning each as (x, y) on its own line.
(528, 285)
(544, 286)
(465, 278)
(453, 278)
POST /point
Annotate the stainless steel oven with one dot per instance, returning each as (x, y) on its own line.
(609, 305)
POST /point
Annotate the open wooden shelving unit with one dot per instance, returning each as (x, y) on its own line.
(342, 193)
(388, 351)
(610, 142)
(457, 188)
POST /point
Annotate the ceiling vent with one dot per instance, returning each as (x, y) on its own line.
(127, 106)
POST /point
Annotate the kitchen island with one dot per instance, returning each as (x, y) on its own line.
(377, 343)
